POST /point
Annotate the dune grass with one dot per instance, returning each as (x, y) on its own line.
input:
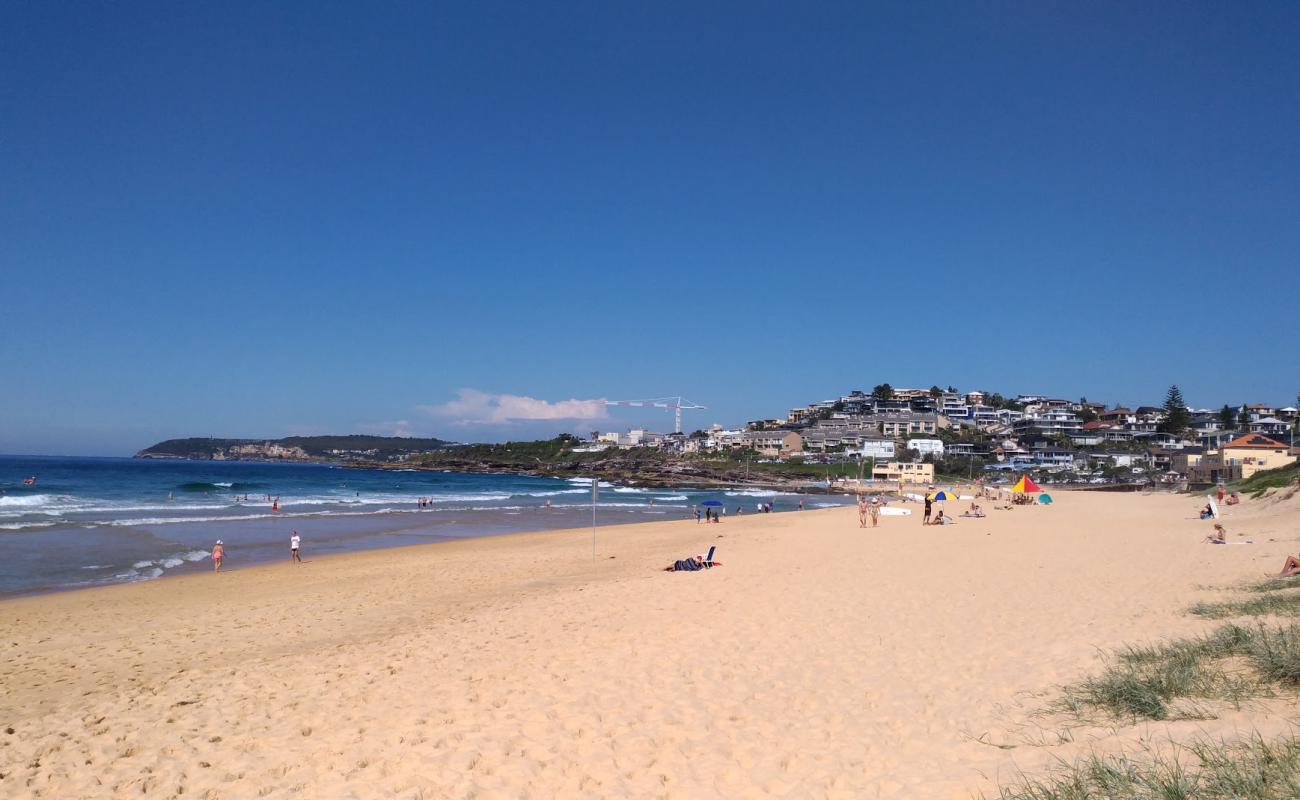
(1273, 585)
(1275, 603)
(1250, 770)
(1231, 664)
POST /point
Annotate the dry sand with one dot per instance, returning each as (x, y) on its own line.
(822, 660)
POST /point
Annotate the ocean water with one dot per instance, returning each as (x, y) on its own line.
(90, 521)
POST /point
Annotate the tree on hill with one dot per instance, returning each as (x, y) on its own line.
(1176, 415)
(936, 392)
(883, 392)
(1227, 417)
(1243, 418)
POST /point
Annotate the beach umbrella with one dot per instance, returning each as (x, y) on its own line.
(1045, 499)
(1026, 485)
(942, 495)
(713, 503)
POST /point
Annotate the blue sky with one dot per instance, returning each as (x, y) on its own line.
(265, 219)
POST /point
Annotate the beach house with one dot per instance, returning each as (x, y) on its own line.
(772, 443)
(1239, 459)
(905, 471)
(900, 425)
(926, 447)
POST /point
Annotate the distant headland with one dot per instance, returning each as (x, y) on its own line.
(294, 448)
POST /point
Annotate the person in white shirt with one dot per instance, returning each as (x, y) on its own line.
(294, 543)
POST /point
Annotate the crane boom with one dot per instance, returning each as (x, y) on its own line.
(675, 403)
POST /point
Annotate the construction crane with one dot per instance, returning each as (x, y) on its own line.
(675, 403)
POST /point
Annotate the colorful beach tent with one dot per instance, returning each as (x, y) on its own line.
(1026, 485)
(1045, 499)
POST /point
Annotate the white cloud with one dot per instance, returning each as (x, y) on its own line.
(472, 407)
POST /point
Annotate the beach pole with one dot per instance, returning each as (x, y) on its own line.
(595, 488)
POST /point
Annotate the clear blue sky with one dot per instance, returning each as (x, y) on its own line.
(271, 218)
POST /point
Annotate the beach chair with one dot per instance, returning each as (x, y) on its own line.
(708, 558)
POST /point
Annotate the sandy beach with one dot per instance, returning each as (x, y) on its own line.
(822, 660)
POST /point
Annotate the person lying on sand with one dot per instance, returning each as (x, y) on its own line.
(693, 564)
(1290, 567)
(1233, 499)
(1218, 537)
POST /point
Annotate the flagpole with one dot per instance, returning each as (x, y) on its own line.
(595, 487)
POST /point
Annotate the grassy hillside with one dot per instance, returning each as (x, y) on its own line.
(1270, 479)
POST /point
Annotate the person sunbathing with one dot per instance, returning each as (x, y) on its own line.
(975, 511)
(692, 564)
(1290, 567)
(1218, 537)
(1233, 499)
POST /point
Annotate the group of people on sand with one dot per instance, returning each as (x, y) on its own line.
(869, 510)
(1290, 567)
(295, 551)
(709, 515)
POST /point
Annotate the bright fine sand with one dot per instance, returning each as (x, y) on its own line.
(821, 660)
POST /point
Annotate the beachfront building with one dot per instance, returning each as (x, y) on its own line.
(877, 448)
(1048, 423)
(1053, 457)
(900, 425)
(905, 471)
(1258, 411)
(1269, 426)
(926, 447)
(1117, 416)
(953, 406)
(1241, 458)
(771, 443)
(1185, 460)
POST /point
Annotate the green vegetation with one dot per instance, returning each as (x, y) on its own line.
(1177, 417)
(1250, 770)
(1275, 603)
(1227, 417)
(1232, 663)
(376, 447)
(1264, 480)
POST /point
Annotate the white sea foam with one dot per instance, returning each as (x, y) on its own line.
(22, 526)
(673, 497)
(554, 493)
(753, 493)
(630, 490)
(28, 500)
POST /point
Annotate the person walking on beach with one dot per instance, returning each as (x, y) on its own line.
(925, 518)
(862, 512)
(875, 511)
(294, 543)
(801, 504)
(218, 553)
